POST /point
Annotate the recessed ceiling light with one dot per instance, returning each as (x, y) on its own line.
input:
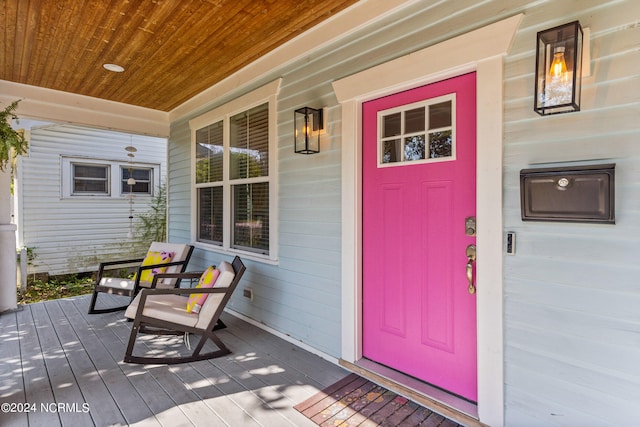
(114, 67)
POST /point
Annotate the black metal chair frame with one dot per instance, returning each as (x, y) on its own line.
(111, 265)
(145, 324)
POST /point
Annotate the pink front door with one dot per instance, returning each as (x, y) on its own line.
(419, 181)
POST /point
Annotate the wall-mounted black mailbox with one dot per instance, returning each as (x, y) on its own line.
(573, 194)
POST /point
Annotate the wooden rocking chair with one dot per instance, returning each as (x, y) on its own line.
(164, 311)
(130, 287)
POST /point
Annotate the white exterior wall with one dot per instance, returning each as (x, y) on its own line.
(571, 291)
(74, 233)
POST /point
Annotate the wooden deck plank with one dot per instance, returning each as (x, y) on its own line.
(63, 382)
(103, 409)
(189, 402)
(74, 357)
(106, 327)
(293, 384)
(225, 405)
(37, 386)
(289, 353)
(123, 333)
(257, 399)
(132, 406)
(11, 371)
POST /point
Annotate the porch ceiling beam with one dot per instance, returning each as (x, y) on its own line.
(64, 107)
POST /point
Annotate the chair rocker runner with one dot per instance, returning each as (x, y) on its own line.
(165, 311)
(162, 257)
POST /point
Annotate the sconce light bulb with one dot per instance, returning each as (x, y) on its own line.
(558, 67)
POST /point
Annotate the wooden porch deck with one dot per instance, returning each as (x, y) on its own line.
(60, 366)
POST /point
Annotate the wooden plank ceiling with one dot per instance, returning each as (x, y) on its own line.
(171, 49)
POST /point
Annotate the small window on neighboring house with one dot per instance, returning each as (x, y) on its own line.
(143, 178)
(90, 179)
(87, 177)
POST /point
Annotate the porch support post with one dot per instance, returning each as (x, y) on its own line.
(8, 275)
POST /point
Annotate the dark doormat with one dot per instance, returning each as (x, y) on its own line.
(356, 401)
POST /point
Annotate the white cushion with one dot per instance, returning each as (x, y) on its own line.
(213, 300)
(171, 308)
(180, 251)
(116, 283)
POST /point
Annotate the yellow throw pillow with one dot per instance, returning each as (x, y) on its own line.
(153, 258)
(207, 280)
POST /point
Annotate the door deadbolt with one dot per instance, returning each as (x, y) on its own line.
(470, 226)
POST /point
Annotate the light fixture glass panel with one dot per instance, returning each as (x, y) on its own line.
(558, 78)
(308, 124)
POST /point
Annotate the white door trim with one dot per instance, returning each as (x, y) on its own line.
(481, 51)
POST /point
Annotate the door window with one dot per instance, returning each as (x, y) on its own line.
(422, 132)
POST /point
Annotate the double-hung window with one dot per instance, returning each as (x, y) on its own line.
(90, 177)
(143, 180)
(234, 177)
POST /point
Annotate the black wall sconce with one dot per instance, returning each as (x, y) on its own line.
(559, 69)
(308, 122)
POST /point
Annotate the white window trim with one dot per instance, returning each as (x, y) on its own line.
(265, 94)
(404, 108)
(66, 176)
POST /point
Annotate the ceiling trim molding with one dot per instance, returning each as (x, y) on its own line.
(64, 107)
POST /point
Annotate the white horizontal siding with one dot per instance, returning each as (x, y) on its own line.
(73, 234)
(571, 295)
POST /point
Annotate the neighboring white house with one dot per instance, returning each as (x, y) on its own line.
(557, 323)
(72, 197)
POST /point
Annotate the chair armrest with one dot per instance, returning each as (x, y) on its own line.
(179, 291)
(121, 261)
(163, 265)
(187, 275)
(111, 265)
(141, 268)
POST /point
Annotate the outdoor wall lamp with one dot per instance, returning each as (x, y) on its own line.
(307, 122)
(559, 69)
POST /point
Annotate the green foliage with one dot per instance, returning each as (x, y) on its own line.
(73, 285)
(152, 225)
(10, 138)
